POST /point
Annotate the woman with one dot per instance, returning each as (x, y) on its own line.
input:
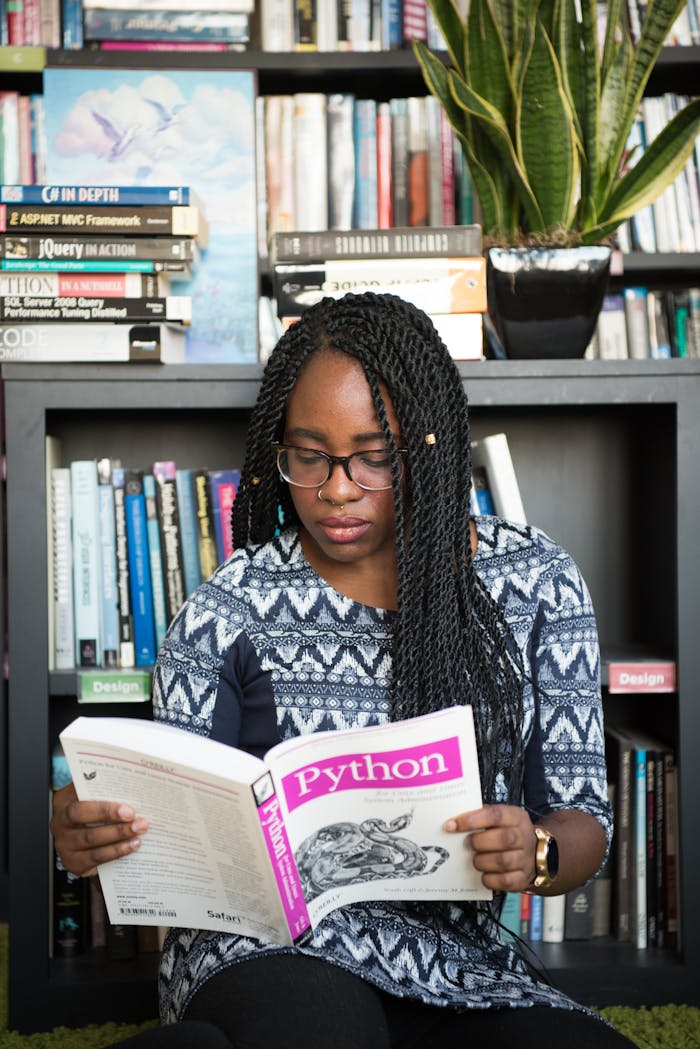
(360, 591)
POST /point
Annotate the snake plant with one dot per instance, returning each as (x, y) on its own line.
(543, 99)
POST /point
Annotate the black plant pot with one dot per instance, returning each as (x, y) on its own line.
(544, 302)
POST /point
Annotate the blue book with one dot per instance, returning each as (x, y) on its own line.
(223, 485)
(392, 24)
(86, 563)
(510, 915)
(72, 23)
(160, 618)
(184, 485)
(128, 195)
(108, 564)
(365, 135)
(639, 864)
(482, 492)
(126, 626)
(139, 569)
(536, 917)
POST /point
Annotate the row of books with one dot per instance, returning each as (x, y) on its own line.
(643, 323)
(279, 25)
(582, 914)
(125, 548)
(672, 222)
(70, 278)
(645, 885)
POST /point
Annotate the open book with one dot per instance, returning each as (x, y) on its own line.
(267, 848)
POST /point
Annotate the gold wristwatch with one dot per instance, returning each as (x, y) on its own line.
(546, 859)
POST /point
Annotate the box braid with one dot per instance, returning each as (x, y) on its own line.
(451, 643)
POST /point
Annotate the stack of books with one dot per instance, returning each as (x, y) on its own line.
(126, 547)
(86, 272)
(439, 269)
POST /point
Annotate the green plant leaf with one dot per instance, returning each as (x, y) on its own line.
(614, 25)
(546, 135)
(451, 25)
(612, 111)
(436, 78)
(494, 127)
(487, 69)
(660, 164)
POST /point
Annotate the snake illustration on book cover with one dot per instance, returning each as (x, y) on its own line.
(347, 853)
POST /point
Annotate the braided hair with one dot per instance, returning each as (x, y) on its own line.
(451, 644)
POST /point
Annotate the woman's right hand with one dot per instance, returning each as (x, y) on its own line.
(88, 833)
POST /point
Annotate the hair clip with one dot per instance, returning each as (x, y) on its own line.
(255, 481)
(430, 438)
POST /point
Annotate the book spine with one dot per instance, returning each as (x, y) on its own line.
(418, 163)
(578, 913)
(305, 25)
(284, 867)
(86, 564)
(310, 168)
(139, 569)
(72, 24)
(64, 634)
(143, 219)
(493, 453)
(365, 139)
(222, 486)
(126, 626)
(341, 163)
(27, 309)
(279, 164)
(188, 528)
(536, 919)
(399, 166)
(276, 25)
(122, 195)
(436, 285)
(672, 913)
(170, 544)
(65, 249)
(623, 846)
(208, 557)
(160, 617)
(639, 884)
(553, 918)
(403, 242)
(93, 266)
(659, 804)
(98, 342)
(135, 24)
(108, 564)
(57, 284)
(384, 201)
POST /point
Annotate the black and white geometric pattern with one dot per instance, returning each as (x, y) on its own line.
(266, 626)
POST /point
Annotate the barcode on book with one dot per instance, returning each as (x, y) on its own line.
(150, 912)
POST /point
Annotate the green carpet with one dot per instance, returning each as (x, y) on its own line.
(662, 1027)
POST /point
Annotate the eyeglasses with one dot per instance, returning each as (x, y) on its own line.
(309, 468)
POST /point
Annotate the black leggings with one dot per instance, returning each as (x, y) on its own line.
(296, 1002)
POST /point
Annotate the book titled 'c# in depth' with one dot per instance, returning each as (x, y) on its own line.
(267, 848)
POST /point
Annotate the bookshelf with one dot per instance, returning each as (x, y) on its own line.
(605, 441)
(605, 454)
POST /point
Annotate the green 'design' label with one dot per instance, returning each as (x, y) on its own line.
(118, 687)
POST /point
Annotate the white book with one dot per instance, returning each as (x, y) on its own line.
(341, 160)
(493, 453)
(611, 329)
(108, 564)
(267, 848)
(310, 167)
(553, 916)
(62, 652)
(279, 154)
(462, 333)
(86, 563)
(277, 25)
(100, 341)
(637, 322)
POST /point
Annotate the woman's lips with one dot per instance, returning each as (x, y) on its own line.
(343, 529)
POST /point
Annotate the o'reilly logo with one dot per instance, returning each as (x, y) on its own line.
(119, 687)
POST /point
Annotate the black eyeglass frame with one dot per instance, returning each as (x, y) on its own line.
(343, 460)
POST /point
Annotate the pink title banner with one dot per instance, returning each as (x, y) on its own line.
(425, 765)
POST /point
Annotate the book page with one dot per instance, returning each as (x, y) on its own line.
(203, 861)
(364, 810)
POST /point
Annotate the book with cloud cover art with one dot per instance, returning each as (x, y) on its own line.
(165, 127)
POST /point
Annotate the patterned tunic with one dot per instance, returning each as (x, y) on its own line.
(266, 649)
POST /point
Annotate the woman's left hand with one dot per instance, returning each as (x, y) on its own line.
(503, 845)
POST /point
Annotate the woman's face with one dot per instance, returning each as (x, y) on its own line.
(330, 409)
